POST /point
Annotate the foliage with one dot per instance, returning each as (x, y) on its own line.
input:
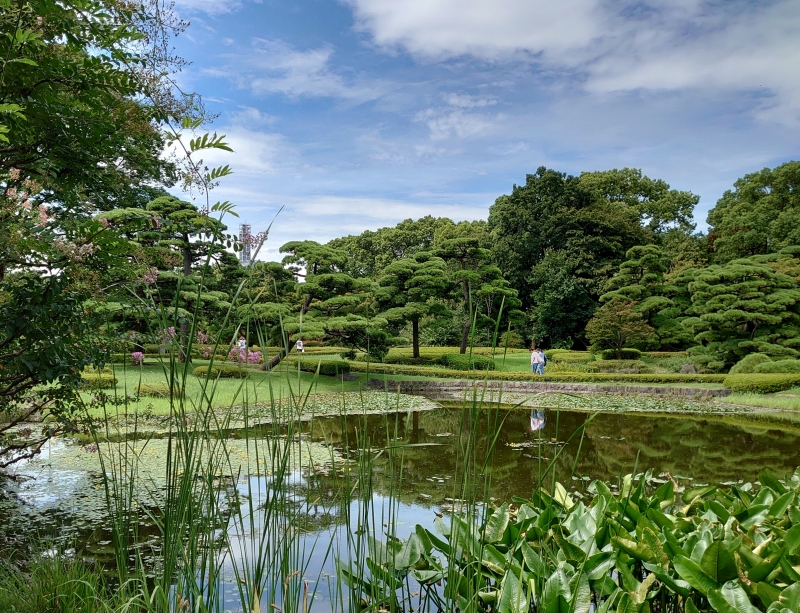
(641, 279)
(222, 371)
(760, 215)
(458, 361)
(328, 368)
(569, 357)
(705, 548)
(624, 354)
(761, 383)
(511, 340)
(779, 366)
(79, 112)
(157, 390)
(743, 307)
(748, 363)
(410, 285)
(616, 325)
(97, 380)
(621, 365)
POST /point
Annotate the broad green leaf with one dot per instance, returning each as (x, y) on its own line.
(582, 597)
(496, 524)
(638, 551)
(731, 598)
(694, 575)
(792, 539)
(556, 593)
(718, 563)
(513, 598)
(767, 593)
(676, 585)
(789, 600)
(762, 570)
(494, 560)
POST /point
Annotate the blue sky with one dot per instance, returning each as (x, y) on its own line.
(360, 113)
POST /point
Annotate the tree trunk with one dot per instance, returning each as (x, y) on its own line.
(415, 337)
(276, 359)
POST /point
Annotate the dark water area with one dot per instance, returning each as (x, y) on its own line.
(703, 449)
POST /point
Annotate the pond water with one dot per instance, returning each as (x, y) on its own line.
(421, 464)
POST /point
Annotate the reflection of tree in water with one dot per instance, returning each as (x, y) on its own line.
(706, 448)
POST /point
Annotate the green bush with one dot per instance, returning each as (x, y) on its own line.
(571, 377)
(658, 355)
(157, 390)
(510, 339)
(780, 366)
(151, 348)
(221, 371)
(620, 366)
(459, 361)
(568, 357)
(625, 354)
(761, 383)
(328, 368)
(748, 363)
(97, 380)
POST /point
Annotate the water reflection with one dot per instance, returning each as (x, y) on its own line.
(538, 419)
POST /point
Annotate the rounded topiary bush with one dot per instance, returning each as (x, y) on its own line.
(762, 383)
(780, 366)
(511, 339)
(92, 380)
(748, 363)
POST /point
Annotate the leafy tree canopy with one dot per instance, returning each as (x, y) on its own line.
(761, 214)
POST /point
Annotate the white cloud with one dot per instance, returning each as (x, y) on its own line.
(446, 123)
(612, 46)
(275, 67)
(211, 7)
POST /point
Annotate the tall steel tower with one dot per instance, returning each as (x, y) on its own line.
(244, 237)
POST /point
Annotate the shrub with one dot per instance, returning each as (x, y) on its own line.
(93, 380)
(780, 366)
(243, 356)
(568, 357)
(625, 354)
(458, 361)
(328, 368)
(748, 363)
(156, 390)
(761, 383)
(151, 348)
(221, 371)
(510, 339)
(658, 355)
(621, 366)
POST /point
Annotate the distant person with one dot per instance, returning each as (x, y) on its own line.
(242, 344)
(537, 367)
(300, 348)
(542, 361)
(538, 420)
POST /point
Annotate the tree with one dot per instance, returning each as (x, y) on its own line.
(582, 226)
(743, 307)
(616, 325)
(77, 108)
(368, 253)
(760, 215)
(411, 284)
(641, 279)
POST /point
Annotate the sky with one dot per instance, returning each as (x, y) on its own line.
(357, 114)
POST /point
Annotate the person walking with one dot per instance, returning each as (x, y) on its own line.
(542, 361)
(536, 359)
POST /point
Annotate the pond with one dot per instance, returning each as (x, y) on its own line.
(420, 465)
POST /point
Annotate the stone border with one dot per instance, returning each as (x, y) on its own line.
(455, 389)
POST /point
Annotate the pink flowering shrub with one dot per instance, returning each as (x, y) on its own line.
(150, 276)
(243, 356)
(137, 357)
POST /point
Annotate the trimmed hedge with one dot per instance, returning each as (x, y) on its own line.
(658, 355)
(780, 366)
(576, 377)
(328, 368)
(221, 371)
(458, 361)
(97, 380)
(625, 354)
(761, 383)
(618, 366)
(156, 390)
(568, 357)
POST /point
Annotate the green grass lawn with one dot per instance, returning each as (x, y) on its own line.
(258, 387)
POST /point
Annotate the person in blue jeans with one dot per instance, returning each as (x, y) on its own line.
(537, 368)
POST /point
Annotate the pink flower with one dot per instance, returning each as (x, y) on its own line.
(202, 337)
(11, 192)
(151, 276)
(14, 174)
(43, 217)
(137, 357)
